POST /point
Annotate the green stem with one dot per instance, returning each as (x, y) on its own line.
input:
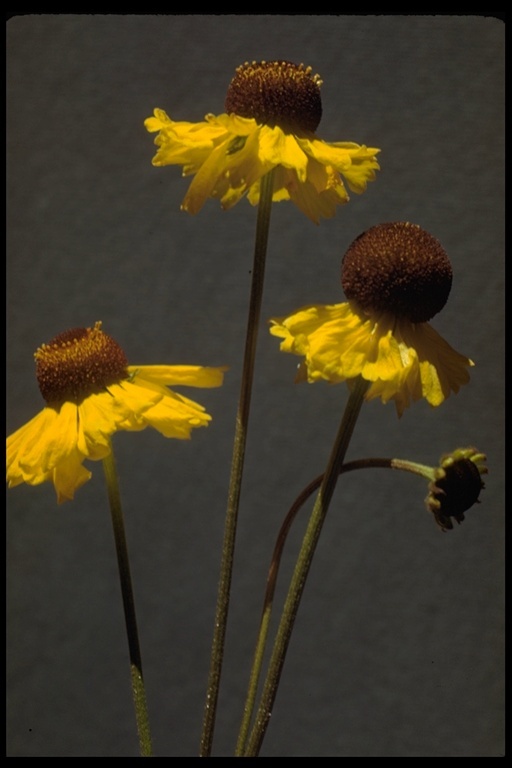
(237, 465)
(137, 680)
(303, 565)
(314, 485)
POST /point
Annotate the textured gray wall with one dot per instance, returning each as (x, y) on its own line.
(398, 647)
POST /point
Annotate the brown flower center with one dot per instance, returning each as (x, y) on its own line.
(398, 268)
(78, 363)
(276, 93)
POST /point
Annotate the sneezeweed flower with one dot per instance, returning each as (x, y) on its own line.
(90, 393)
(396, 277)
(456, 486)
(272, 112)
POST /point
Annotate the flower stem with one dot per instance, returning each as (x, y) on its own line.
(137, 680)
(314, 485)
(270, 590)
(237, 465)
(303, 565)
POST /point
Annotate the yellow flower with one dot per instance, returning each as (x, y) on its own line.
(396, 276)
(272, 112)
(90, 393)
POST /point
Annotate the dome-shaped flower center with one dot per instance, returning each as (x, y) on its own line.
(276, 93)
(78, 363)
(397, 268)
(459, 489)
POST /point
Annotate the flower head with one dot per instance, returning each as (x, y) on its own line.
(457, 486)
(397, 277)
(272, 112)
(90, 393)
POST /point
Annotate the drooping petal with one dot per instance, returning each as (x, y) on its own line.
(230, 154)
(175, 375)
(334, 341)
(283, 177)
(69, 475)
(317, 196)
(404, 361)
(213, 169)
(60, 441)
(99, 416)
(45, 449)
(173, 416)
(243, 169)
(443, 370)
(184, 143)
(338, 157)
(234, 124)
(279, 148)
(51, 439)
(361, 171)
(355, 162)
(320, 194)
(25, 442)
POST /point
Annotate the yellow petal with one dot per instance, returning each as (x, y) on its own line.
(229, 155)
(134, 397)
(185, 375)
(99, 416)
(282, 178)
(55, 439)
(356, 163)
(246, 166)
(279, 148)
(24, 442)
(44, 449)
(404, 361)
(159, 121)
(386, 361)
(334, 341)
(443, 370)
(174, 416)
(103, 414)
(184, 143)
(69, 476)
(203, 183)
(327, 154)
(234, 124)
(318, 199)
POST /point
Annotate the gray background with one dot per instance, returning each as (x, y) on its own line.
(398, 647)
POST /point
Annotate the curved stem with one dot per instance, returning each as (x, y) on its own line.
(137, 680)
(314, 485)
(303, 565)
(271, 586)
(237, 465)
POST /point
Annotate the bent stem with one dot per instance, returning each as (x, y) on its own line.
(303, 565)
(137, 680)
(314, 485)
(237, 465)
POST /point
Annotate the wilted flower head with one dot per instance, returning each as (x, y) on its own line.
(396, 277)
(457, 486)
(90, 393)
(272, 112)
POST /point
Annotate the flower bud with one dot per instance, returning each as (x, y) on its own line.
(457, 486)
